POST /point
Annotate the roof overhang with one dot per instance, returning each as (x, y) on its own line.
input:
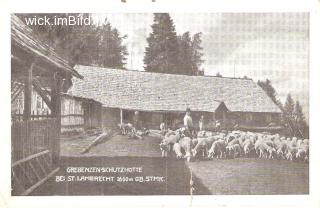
(22, 39)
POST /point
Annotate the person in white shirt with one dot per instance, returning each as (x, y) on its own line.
(218, 125)
(201, 123)
(163, 128)
(136, 120)
(188, 124)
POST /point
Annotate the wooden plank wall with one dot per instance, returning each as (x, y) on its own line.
(72, 114)
(30, 138)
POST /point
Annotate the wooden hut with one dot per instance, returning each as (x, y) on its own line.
(35, 67)
(78, 114)
(165, 97)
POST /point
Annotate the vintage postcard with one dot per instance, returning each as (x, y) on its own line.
(160, 104)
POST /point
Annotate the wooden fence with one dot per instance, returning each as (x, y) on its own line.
(32, 146)
(69, 122)
(72, 121)
(34, 116)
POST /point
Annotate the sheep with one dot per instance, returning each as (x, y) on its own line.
(218, 148)
(234, 144)
(125, 128)
(282, 149)
(254, 138)
(242, 139)
(194, 142)
(180, 130)
(173, 138)
(299, 142)
(271, 151)
(294, 142)
(302, 152)
(269, 142)
(256, 145)
(177, 150)
(291, 152)
(247, 144)
(277, 143)
(265, 149)
(276, 137)
(166, 142)
(202, 134)
(230, 138)
(185, 144)
(282, 138)
(251, 136)
(235, 141)
(233, 150)
(169, 133)
(209, 133)
(203, 144)
(248, 147)
(260, 149)
(164, 149)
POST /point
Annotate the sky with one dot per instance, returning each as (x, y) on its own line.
(256, 45)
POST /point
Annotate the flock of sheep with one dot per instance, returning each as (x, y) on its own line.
(233, 144)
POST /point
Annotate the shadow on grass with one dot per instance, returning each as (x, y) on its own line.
(175, 172)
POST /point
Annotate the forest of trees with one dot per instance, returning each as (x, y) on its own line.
(98, 45)
(170, 53)
(292, 117)
(102, 45)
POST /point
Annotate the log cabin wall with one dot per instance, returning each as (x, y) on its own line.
(254, 119)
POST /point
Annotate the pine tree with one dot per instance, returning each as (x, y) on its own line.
(196, 53)
(300, 121)
(289, 107)
(168, 53)
(288, 115)
(185, 56)
(106, 46)
(162, 51)
(298, 113)
(271, 92)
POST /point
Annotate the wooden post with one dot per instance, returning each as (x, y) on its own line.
(100, 114)
(121, 116)
(89, 115)
(28, 94)
(56, 113)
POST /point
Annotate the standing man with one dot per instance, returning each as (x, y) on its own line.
(201, 123)
(188, 124)
(163, 128)
(136, 120)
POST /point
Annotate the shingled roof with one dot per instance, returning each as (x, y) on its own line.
(145, 91)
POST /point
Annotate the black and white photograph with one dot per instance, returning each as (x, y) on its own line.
(159, 104)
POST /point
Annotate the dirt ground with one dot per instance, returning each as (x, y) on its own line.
(118, 146)
(217, 176)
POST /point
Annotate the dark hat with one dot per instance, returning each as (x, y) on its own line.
(188, 109)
